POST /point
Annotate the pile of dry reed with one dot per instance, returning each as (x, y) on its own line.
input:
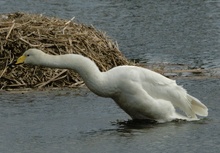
(20, 31)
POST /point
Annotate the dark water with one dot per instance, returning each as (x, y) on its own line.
(185, 32)
(78, 121)
(179, 32)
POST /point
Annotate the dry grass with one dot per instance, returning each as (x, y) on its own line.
(20, 31)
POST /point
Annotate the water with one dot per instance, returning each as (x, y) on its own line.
(70, 120)
(79, 121)
(151, 31)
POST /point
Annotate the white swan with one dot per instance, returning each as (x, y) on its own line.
(141, 93)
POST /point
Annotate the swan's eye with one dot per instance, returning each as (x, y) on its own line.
(28, 55)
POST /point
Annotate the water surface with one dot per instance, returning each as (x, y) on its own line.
(79, 121)
(185, 32)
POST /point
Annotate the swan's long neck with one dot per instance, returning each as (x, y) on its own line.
(95, 80)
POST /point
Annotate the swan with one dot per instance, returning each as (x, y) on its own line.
(140, 92)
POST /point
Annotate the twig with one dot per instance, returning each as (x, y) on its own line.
(70, 20)
(77, 84)
(4, 69)
(3, 72)
(28, 42)
(67, 24)
(40, 85)
(16, 85)
(10, 31)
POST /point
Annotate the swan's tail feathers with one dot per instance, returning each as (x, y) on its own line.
(197, 107)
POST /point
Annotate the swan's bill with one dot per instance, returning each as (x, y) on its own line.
(21, 59)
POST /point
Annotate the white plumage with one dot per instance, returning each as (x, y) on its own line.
(141, 93)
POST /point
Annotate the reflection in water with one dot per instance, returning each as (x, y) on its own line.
(168, 137)
(130, 127)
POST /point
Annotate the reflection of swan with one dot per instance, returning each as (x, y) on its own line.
(140, 92)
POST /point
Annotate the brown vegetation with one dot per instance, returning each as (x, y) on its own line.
(20, 31)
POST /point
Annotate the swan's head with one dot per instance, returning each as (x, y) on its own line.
(31, 56)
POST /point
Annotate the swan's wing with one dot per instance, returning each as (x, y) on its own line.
(136, 102)
(160, 87)
(154, 84)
